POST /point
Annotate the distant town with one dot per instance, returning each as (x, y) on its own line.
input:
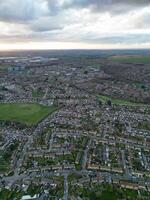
(75, 125)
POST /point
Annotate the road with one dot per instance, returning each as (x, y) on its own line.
(51, 142)
(84, 159)
(45, 95)
(23, 154)
(124, 163)
(66, 186)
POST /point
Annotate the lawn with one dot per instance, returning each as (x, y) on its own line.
(116, 101)
(29, 114)
(37, 93)
(131, 59)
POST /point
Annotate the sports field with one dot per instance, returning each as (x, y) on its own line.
(29, 114)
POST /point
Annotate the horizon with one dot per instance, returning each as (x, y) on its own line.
(75, 49)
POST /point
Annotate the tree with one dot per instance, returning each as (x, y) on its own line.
(85, 72)
(109, 103)
(92, 195)
(100, 103)
(143, 87)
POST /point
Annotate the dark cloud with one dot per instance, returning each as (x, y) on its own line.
(22, 11)
(45, 28)
(16, 10)
(26, 10)
(107, 5)
(54, 7)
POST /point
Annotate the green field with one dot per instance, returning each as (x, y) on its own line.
(3, 68)
(130, 59)
(29, 114)
(37, 93)
(104, 99)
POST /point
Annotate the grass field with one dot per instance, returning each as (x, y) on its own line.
(138, 59)
(3, 68)
(36, 93)
(104, 99)
(29, 114)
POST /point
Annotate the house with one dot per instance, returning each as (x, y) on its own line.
(28, 197)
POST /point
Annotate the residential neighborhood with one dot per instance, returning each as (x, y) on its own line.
(71, 127)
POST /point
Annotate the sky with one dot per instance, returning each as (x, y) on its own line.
(74, 24)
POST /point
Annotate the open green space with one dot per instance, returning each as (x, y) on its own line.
(144, 125)
(97, 65)
(4, 166)
(29, 114)
(105, 99)
(3, 67)
(6, 194)
(107, 192)
(37, 93)
(6, 155)
(130, 59)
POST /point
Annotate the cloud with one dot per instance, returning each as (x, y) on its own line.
(54, 6)
(113, 6)
(21, 10)
(46, 24)
(123, 39)
(141, 21)
(89, 21)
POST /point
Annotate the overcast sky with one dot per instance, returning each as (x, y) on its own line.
(58, 24)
